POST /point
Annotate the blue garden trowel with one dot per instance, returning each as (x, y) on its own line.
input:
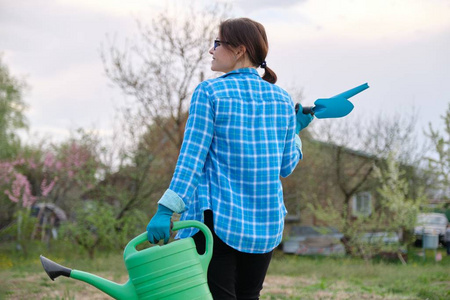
(335, 107)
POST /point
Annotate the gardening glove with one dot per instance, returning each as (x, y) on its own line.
(303, 120)
(159, 226)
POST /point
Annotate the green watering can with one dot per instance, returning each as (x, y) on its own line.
(172, 271)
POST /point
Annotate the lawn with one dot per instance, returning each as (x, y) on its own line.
(293, 277)
(289, 277)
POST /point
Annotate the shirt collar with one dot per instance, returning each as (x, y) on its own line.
(250, 71)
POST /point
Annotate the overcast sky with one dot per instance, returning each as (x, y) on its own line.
(400, 47)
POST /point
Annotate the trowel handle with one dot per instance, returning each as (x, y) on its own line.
(306, 109)
(352, 92)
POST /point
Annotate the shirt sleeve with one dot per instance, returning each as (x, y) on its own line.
(196, 143)
(292, 150)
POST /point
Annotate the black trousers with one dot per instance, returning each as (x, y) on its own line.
(232, 274)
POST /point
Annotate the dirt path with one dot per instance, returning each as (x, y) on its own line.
(286, 287)
(39, 286)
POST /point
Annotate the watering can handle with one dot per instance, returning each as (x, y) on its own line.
(204, 258)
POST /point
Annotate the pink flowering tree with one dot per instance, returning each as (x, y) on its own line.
(18, 189)
(75, 166)
(17, 186)
(102, 198)
(58, 175)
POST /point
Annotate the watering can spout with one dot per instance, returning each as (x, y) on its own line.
(117, 291)
(53, 269)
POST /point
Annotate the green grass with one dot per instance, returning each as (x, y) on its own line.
(289, 276)
(348, 278)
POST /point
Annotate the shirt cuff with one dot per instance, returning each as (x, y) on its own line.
(298, 145)
(172, 201)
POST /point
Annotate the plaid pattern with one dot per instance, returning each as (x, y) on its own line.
(239, 140)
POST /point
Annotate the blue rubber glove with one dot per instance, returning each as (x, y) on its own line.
(302, 119)
(159, 226)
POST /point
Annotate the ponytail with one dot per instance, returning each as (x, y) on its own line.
(269, 75)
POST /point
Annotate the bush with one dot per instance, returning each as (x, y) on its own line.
(97, 228)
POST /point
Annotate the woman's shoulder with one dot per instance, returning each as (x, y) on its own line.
(275, 89)
(214, 85)
(227, 84)
(204, 85)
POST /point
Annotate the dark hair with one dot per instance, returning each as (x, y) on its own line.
(252, 35)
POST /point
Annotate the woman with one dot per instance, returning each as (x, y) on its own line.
(240, 138)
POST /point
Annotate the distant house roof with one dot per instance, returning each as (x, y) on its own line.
(346, 149)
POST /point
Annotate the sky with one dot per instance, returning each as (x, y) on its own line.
(322, 47)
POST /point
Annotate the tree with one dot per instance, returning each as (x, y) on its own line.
(56, 174)
(398, 208)
(15, 218)
(63, 174)
(161, 70)
(395, 212)
(137, 177)
(12, 107)
(439, 163)
(343, 163)
(75, 163)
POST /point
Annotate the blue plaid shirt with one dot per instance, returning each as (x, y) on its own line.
(239, 139)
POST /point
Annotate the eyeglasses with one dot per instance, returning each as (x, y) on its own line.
(218, 42)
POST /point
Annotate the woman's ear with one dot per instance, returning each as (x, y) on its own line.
(240, 51)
